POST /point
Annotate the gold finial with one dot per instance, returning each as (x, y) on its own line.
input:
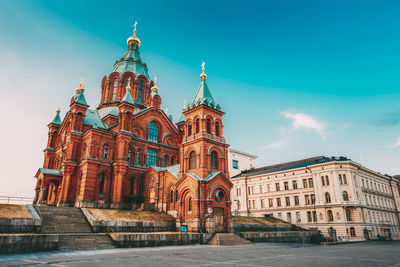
(184, 105)
(58, 110)
(203, 76)
(128, 84)
(134, 39)
(81, 86)
(154, 88)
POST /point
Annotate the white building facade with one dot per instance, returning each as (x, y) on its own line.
(337, 196)
(239, 161)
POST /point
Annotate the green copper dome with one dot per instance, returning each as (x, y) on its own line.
(131, 62)
(203, 96)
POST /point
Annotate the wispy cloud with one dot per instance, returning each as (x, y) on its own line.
(397, 144)
(301, 120)
(276, 145)
(387, 119)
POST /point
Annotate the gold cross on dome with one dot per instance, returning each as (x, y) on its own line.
(155, 79)
(134, 29)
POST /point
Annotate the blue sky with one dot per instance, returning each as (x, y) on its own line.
(295, 78)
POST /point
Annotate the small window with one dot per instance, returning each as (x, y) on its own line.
(197, 125)
(130, 155)
(192, 160)
(171, 196)
(105, 152)
(327, 180)
(176, 196)
(214, 160)
(348, 215)
(165, 161)
(352, 231)
(287, 200)
(330, 216)
(140, 91)
(235, 164)
(190, 205)
(322, 180)
(327, 198)
(151, 157)
(286, 185)
(296, 200)
(219, 196)
(101, 183)
(310, 182)
(217, 129)
(340, 179)
(115, 86)
(153, 132)
(278, 202)
(172, 161)
(294, 184)
(304, 183)
(208, 125)
(189, 129)
(345, 196)
(132, 185)
(344, 179)
(277, 188)
(138, 158)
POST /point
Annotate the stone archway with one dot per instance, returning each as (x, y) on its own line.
(52, 193)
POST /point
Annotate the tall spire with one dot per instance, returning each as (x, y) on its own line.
(203, 94)
(133, 39)
(57, 119)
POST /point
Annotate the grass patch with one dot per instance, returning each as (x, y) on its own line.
(12, 211)
(256, 220)
(130, 215)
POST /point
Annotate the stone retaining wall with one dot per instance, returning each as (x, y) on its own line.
(21, 225)
(265, 227)
(18, 243)
(100, 226)
(155, 239)
(305, 237)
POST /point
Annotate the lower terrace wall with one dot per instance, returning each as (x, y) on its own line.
(21, 225)
(18, 243)
(100, 226)
(124, 240)
(305, 237)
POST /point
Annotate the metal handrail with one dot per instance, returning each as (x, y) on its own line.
(20, 200)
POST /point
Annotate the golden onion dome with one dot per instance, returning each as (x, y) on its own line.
(133, 39)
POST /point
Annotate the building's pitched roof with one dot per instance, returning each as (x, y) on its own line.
(80, 99)
(57, 119)
(174, 169)
(203, 96)
(128, 98)
(103, 112)
(50, 172)
(131, 62)
(92, 118)
(207, 178)
(289, 165)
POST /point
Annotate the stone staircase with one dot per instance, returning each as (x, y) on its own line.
(72, 227)
(227, 239)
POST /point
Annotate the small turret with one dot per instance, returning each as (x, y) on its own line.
(155, 98)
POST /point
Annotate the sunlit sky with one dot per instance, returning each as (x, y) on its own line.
(296, 78)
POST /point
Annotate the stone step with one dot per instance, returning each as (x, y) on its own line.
(85, 242)
(227, 239)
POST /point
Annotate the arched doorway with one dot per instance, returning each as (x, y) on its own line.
(52, 193)
(219, 210)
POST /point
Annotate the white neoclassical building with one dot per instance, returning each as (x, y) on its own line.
(335, 195)
(239, 161)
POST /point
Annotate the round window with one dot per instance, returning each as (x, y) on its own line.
(219, 195)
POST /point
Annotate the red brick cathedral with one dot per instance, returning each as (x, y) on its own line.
(127, 153)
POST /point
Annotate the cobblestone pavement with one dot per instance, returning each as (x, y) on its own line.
(357, 254)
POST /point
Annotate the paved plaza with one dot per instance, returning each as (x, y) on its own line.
(357, 254)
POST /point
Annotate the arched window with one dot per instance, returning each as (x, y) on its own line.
(352, 231)
(128, 82)
(327, 180)
(114, 91)
(131, 185)
(105, 152)
(217, 129)
(348, 215)
(345, 196)
(330, 216)
(140, 91)
(327, 198)
(176, 195)
(344, 179)
(153, 132)
(340, 179)
(138, 158)
(189, 128)
(172, 161)
(214, 160)
(165, 161)
(190, 205)
(101, 183)
(130, 155)
(208, 125)
(197, 125)
(192, 160)
(322, 180)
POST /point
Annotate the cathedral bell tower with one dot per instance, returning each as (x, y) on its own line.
(204, 149)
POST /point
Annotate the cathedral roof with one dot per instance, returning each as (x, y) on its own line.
(207, 178)
(80, 98)
(92, 118)
(103, 112)
(127, 97)
(131, 62)
(203, 95)
(174, 169)
(57, 119)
